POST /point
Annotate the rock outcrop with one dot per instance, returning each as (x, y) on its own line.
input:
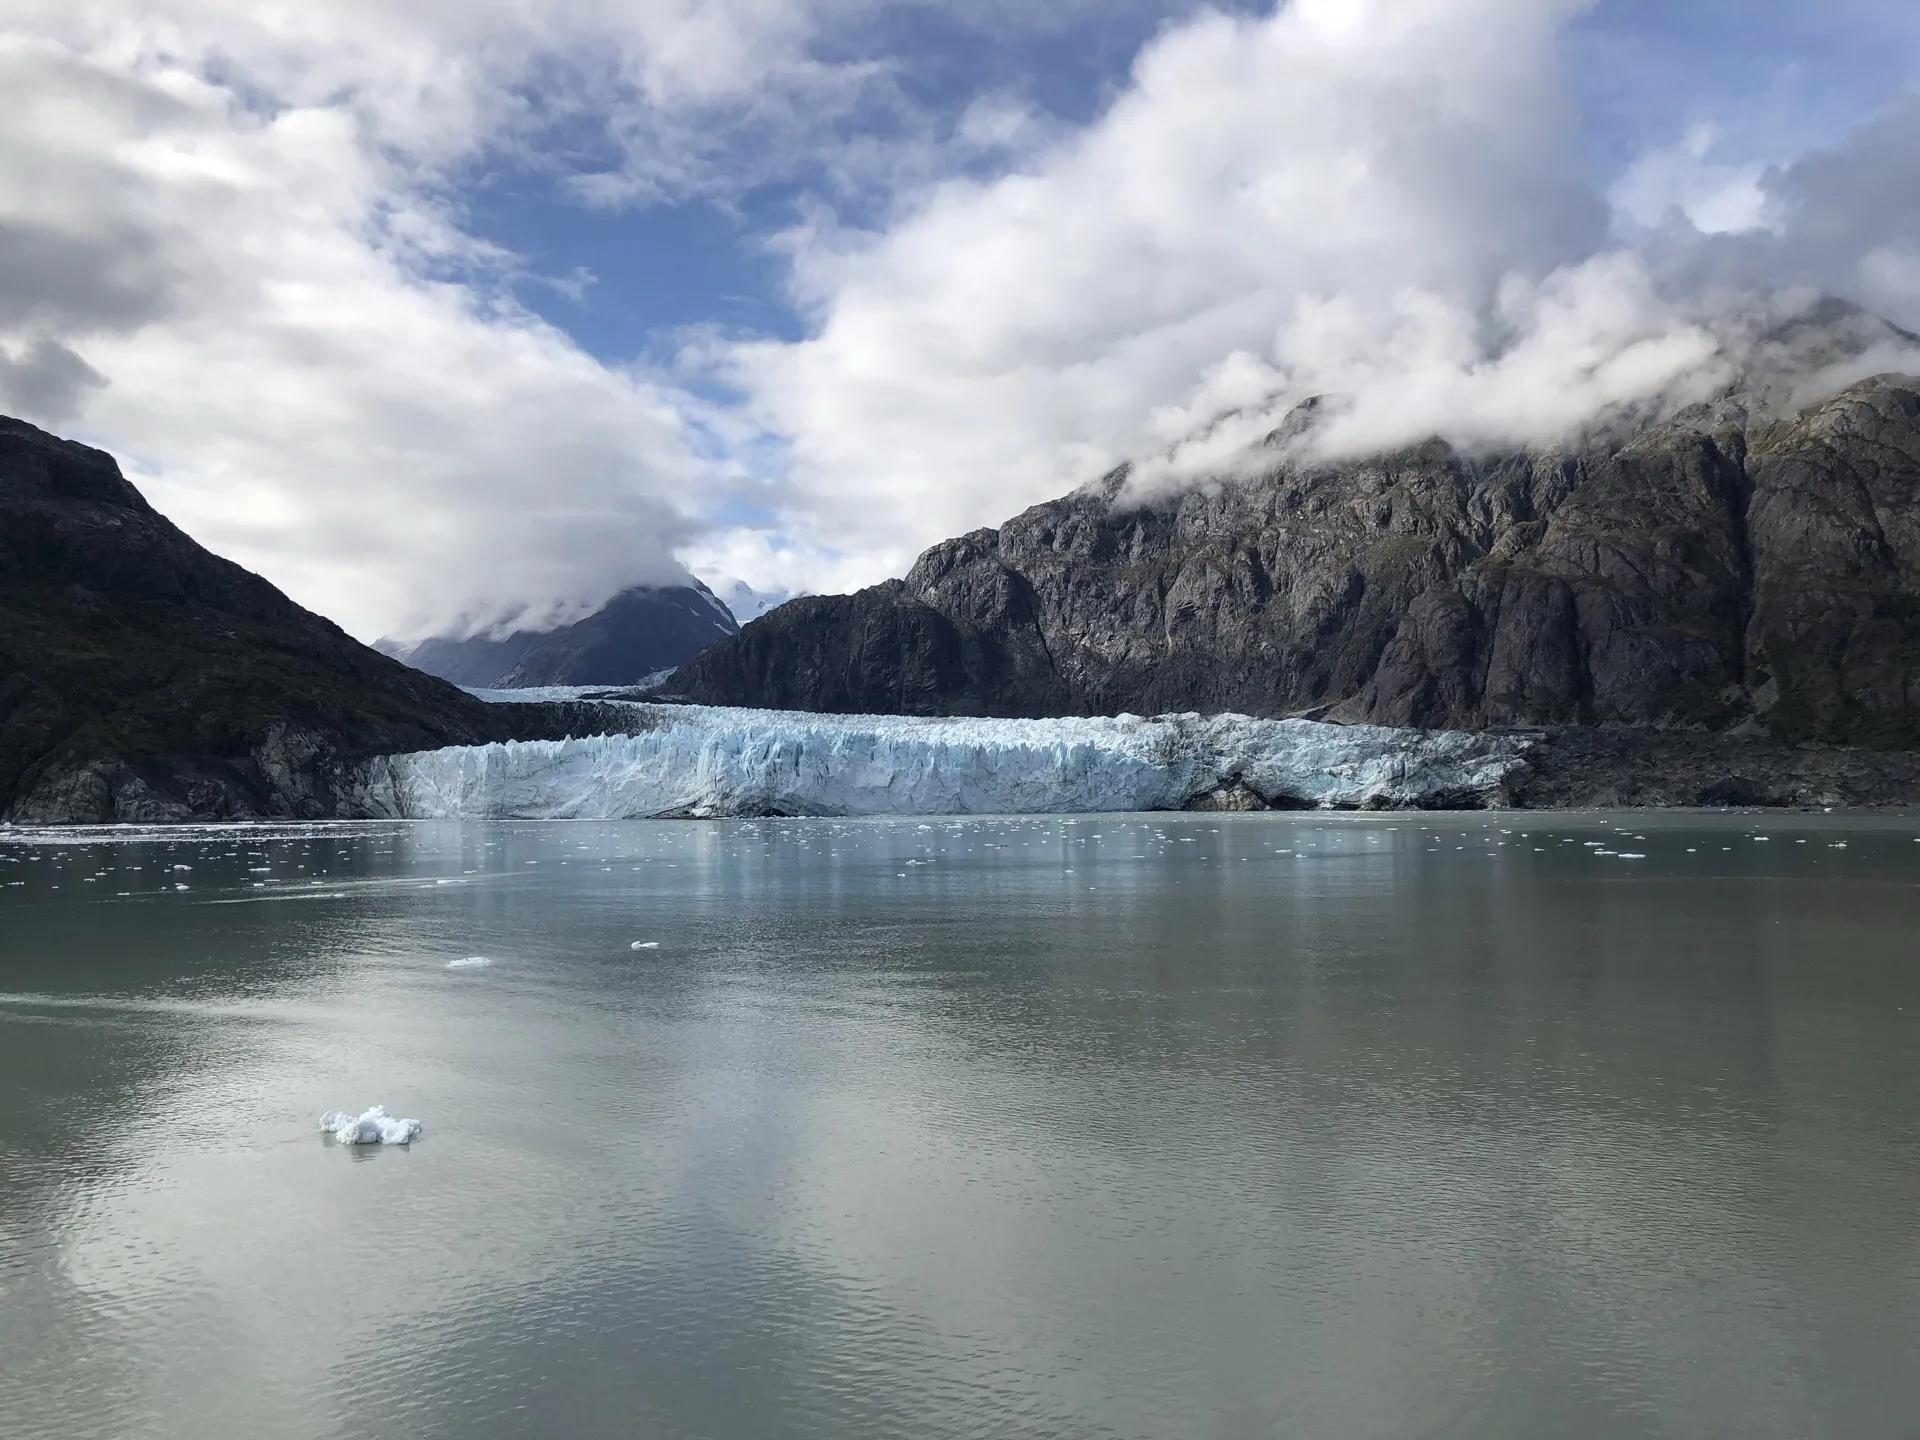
(640, 632)
(143, 678)
(1719, 571)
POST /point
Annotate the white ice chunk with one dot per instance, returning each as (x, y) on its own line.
(471, 962)
(644, 945)
(371, 1127)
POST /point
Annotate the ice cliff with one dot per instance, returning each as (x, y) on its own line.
(699, 761)
(371, 1127)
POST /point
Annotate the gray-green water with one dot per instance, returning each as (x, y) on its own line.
(1115, 1126)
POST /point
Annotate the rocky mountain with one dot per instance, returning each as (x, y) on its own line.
(640, 632)
(142, 677)
(1719, 571)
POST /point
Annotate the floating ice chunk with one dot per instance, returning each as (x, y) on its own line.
(372, 1127)
(644, 945)
(471, 962)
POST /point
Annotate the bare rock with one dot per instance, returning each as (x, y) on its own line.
(143, 678)
(1713, 571)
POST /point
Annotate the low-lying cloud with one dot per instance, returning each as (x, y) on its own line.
(1003, 339)
(1595, 347)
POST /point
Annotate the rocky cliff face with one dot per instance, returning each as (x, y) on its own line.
(638, 633)
(142, 677)
(1719, 570)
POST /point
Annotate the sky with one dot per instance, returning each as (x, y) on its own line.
(462, 315)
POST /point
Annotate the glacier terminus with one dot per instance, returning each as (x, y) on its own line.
(698, 762)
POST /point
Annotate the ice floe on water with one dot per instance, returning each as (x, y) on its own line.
(705, 761)
(203, 833)
(470, 962)
(644, 945)
(370, 1127)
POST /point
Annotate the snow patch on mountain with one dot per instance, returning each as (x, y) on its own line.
(700, 761)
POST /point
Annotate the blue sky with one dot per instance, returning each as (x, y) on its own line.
(463, 314)
(663, 265)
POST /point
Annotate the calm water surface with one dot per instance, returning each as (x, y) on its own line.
(1117, 1126)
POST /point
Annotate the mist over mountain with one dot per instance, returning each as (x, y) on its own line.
(1749, 562)
(144, 678)
(641, 631)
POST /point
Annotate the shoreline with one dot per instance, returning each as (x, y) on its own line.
(665, 760)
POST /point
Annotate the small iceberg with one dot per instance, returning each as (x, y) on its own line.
(644, 945)
(372, 1127)
(471, 962)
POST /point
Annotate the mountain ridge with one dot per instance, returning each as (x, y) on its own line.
(1721, 570)
(144, 678)
(642, 631)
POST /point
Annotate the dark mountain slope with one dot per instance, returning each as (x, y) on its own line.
(1712, 570)
(638, 633)
(142, 677)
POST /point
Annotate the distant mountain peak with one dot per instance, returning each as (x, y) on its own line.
(639, 632)
(144, 678)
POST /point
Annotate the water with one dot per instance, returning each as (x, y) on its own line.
(1116, 1126)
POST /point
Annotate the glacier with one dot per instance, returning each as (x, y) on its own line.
(708, 762)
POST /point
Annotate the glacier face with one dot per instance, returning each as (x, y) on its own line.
(700, 761)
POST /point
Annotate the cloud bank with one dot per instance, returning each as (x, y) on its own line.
(235, 249)
(1382, 200)
(304, 360)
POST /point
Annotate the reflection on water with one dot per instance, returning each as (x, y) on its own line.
(1113, 1126)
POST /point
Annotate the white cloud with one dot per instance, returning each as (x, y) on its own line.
(1549, 357)
(231, 249)
(1569, 349)
(1849, 212)
(1002, 340)
(1383, 200)
(778, 566)
(282, 372)
(1714, 196)
(435, 79)
(228, 254)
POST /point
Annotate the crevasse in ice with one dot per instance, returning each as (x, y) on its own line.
(707, 761)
